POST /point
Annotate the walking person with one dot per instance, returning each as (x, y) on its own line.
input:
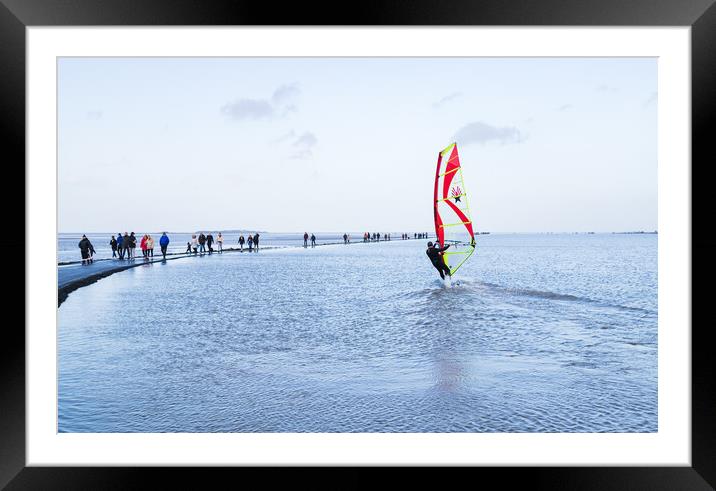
(209, 241)
(202, 242)
(194, 243)
(120, 250)
(132, 244)
(188, 248)
(125, 246)
(256, 242)
(113, 245)
(150, 246)
(143, 246)
(250, 242)
(163, 244)
(313, 240)
(220, 243)
(345, 238)
(241, 243)
(305, 239)
(84, 246)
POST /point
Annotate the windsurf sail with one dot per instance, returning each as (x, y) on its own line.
(453, 222)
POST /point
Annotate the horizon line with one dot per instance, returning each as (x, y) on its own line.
(649, 231)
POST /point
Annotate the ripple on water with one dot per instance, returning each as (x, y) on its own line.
(366, 339)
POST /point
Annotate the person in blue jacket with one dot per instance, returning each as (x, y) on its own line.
(120, 249)
(163, 243)
(120, 246)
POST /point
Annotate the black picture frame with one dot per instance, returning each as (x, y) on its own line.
(700, 15)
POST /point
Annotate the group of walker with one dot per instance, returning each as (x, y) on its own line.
(305, 240)
(123, 246)
(205, 243)
(375, 237)
(252, 242)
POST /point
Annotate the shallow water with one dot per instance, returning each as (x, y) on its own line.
(68, 249)
(544, 333)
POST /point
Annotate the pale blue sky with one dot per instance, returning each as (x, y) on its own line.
(334, 144)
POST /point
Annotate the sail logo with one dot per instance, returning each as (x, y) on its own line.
(456, 192)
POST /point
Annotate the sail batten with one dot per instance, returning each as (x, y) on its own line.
(453, 222)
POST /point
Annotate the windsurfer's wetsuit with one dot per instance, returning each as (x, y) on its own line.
(436, 257)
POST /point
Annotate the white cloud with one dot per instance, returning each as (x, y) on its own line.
(308, 139)
(606, 88)
(248, 109)
(285, 94)
(303, 145)
(479, 132)
(285, 137)
(447, 99)
(280, 104)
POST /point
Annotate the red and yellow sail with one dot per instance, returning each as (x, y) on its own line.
(453, 222)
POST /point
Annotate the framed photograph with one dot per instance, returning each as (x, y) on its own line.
(409, 239)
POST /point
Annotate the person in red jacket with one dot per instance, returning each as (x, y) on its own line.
(143, 245)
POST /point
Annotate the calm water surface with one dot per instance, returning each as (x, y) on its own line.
(544, 333)
(68, 244)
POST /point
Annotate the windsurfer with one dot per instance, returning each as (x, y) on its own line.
(435, 253)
